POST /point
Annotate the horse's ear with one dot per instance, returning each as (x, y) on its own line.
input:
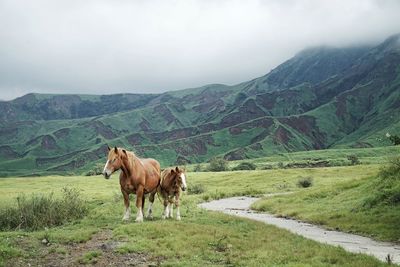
(115, 149)
(123, 150)
(108, 148)
(172, 171)
(177, 169)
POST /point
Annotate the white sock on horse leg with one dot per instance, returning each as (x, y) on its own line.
(139, 215)
(165, 214)
(171, 210)
(178, 214)
(127, 214)
(149, 210)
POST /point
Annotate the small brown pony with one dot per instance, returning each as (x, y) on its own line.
(173, 180)
(138, 176)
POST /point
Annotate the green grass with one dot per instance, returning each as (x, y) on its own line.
(90, 257)
(201, 238)
(335, 157)
(365, 206)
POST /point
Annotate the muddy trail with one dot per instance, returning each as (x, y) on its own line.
(240, 206)
(101, 246)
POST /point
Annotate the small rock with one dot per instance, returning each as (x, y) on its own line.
(45, 241)
(106, 246)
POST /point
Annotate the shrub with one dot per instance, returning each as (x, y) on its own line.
(305, 182)
(41, 211)
(245, 166)
(386, 187)
(280, 165)
(197, 168)
(218, 165)
(353, 159)
(267, 167)
(196, 189)
(394, 139)
(97, 170)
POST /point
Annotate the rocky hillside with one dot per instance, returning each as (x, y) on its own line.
(321, 98)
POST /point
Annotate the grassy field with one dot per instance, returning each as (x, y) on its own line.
(329, 157)
(201, 238)
(367, 206)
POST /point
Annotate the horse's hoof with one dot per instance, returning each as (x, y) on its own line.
(178, 218)
(139, 220)
(150, 217)
(163, 217)
(125, 219)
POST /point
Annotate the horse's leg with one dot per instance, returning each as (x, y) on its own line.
(171, 208)
(166, 210)
(178, 212)
(151, 201)
(127, 208)
(139, 203)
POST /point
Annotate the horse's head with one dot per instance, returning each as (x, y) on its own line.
(180, 177)
(114, 161)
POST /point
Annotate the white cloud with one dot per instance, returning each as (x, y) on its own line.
(152, 46)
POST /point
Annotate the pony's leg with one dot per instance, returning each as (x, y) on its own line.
(151, 201)
(171, 209)
(166, 210)
(139, 204)
(127, 214)
(178, 212)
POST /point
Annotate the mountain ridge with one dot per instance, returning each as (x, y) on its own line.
(299, 105)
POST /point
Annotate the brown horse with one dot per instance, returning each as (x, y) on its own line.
(138, 176)
(173, 180)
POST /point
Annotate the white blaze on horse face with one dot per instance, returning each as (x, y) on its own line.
(106, 171)
(183, 177)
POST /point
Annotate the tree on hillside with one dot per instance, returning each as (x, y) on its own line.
(395, 139)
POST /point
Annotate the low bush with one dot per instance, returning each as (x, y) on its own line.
(218, 165)
(353, 159)
(39, 211)
(197, 168)
(305, 182)
(267, 167)
(386, 188)
(97, 170)
(196, 189)
(245, 166)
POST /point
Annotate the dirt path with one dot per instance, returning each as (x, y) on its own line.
(240, 206)
(101, 243)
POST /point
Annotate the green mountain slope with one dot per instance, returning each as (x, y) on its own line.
(321, 98)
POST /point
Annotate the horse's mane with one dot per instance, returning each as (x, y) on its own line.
(131, 156)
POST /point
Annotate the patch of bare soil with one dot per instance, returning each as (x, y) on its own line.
(101, 244)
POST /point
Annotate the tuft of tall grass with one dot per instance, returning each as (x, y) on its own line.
(305, 182)
(386, 189)
(39, 211)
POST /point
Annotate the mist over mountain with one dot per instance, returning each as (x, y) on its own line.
(321, 98)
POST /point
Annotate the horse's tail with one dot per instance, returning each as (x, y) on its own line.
(158, 189)
(158, 193)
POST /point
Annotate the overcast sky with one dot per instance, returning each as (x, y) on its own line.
(145, 46)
